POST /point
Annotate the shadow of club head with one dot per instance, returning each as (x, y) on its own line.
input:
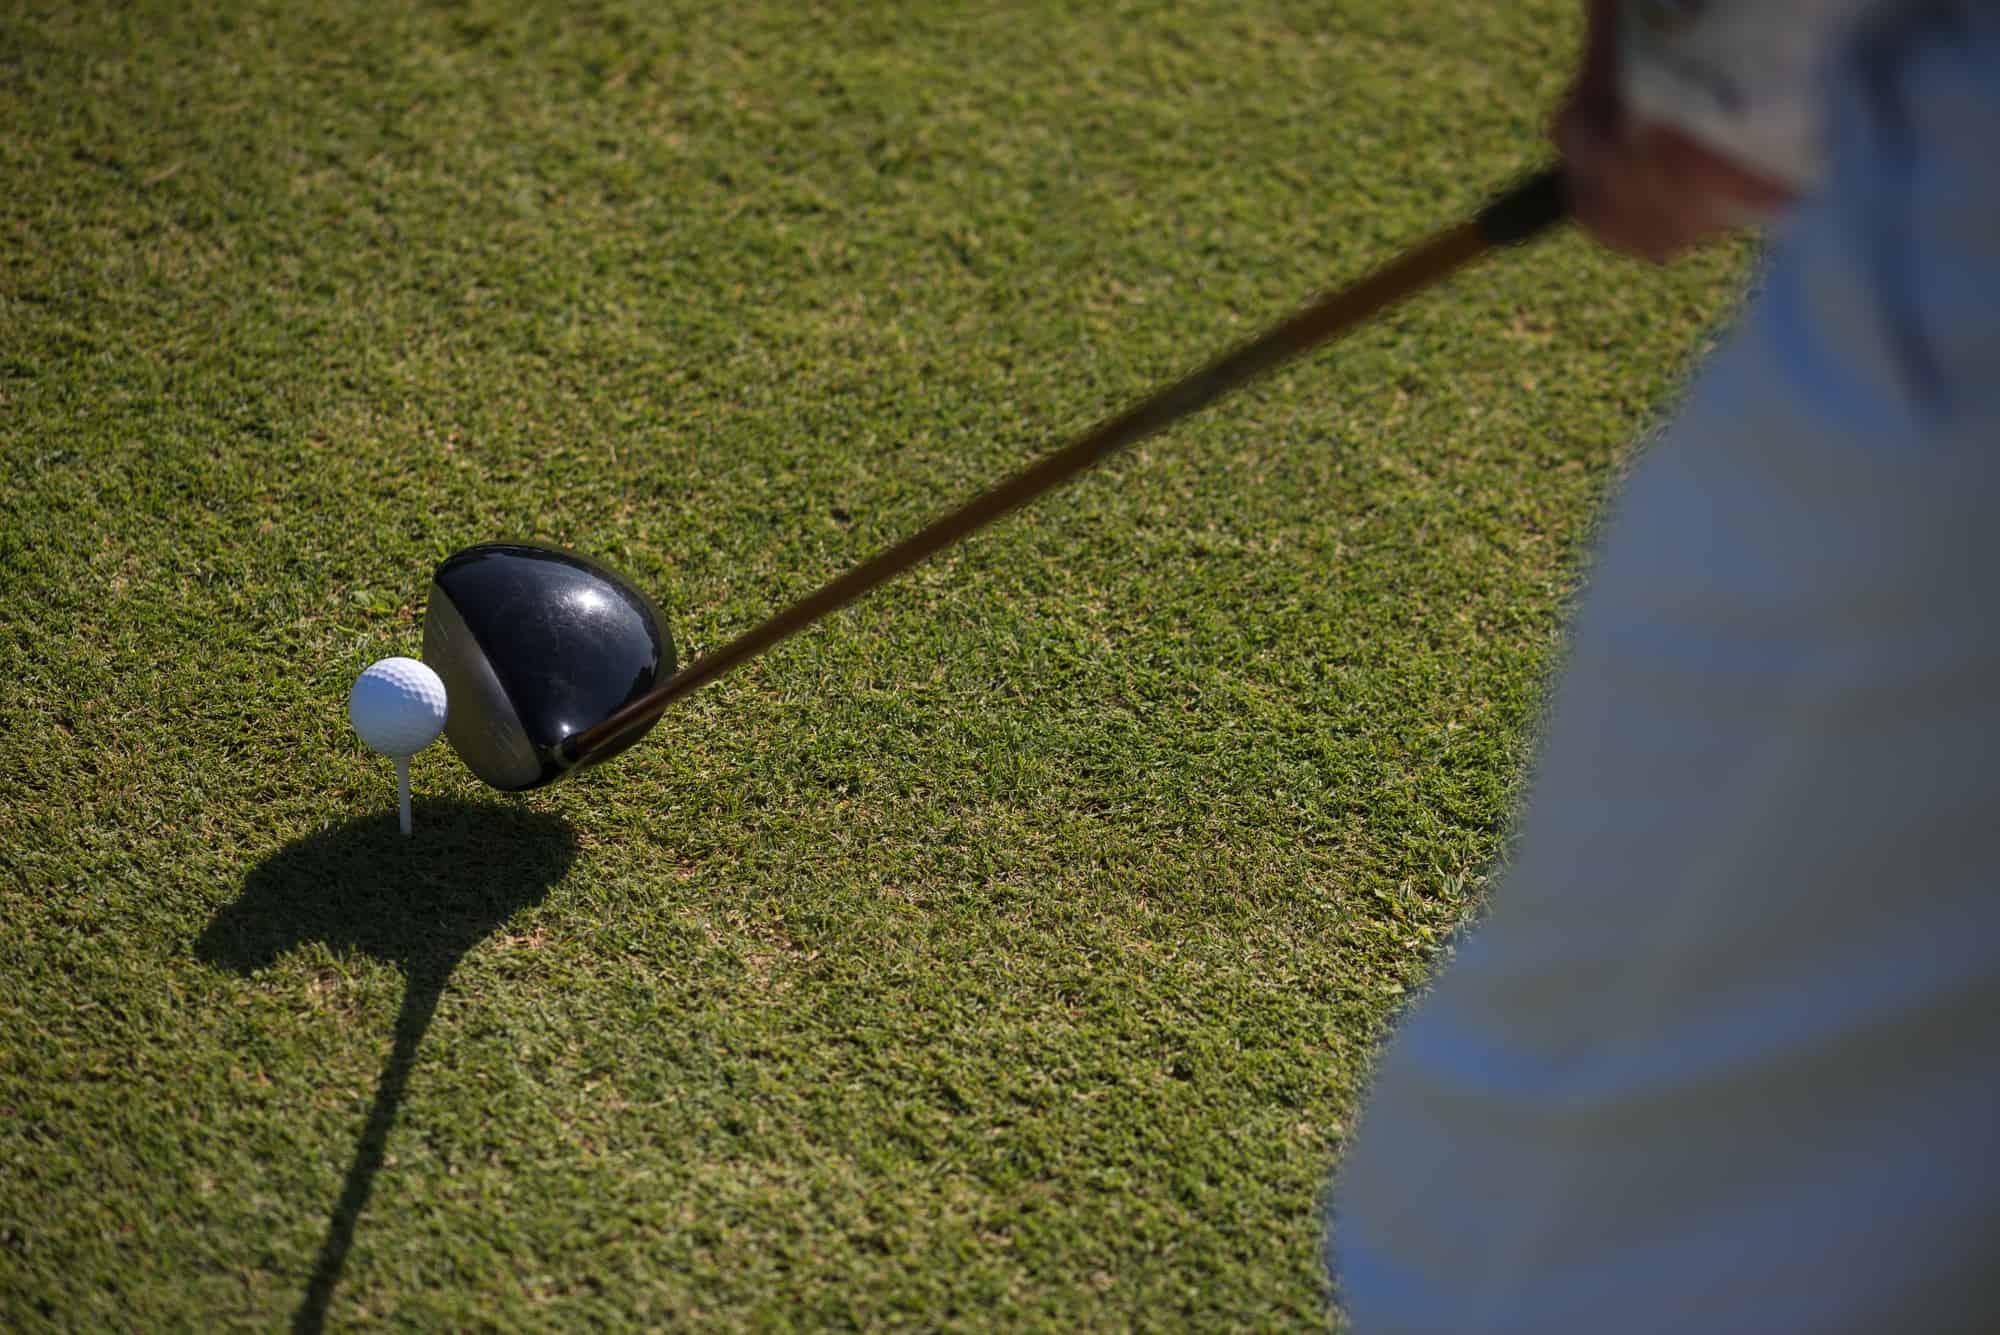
(418, 903)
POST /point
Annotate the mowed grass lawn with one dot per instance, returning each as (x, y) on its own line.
(1006, 952)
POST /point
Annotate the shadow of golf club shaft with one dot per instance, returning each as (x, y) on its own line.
(420, 1001)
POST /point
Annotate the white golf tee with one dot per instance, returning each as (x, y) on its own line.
(403, 791)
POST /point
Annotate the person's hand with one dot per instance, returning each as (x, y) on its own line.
(1639, 186)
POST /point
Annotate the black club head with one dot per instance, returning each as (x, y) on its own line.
(535, 644)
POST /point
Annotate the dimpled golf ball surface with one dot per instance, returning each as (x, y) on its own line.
(397, 706)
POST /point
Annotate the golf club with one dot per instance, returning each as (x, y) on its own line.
(552, 663)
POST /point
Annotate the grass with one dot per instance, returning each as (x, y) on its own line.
(1005, 952)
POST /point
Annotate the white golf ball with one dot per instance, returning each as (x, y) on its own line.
(397, 706)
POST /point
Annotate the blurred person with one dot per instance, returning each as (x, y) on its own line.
(1723, 1054)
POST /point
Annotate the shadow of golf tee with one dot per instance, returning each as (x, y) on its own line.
(419, 903)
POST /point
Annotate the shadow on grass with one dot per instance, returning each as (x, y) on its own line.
(419, 903)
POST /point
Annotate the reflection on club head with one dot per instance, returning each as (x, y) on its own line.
(536, 644)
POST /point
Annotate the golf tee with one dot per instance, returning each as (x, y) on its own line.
(403, 791)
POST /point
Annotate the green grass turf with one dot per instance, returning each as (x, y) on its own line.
(1007, 951)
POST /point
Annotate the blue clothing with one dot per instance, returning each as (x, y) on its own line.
(1725, 1056)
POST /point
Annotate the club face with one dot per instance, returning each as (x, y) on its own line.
(534, 645)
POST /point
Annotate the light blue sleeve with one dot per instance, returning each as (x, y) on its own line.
(1725, 1056)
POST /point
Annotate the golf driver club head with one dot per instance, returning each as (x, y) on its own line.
(535, 644)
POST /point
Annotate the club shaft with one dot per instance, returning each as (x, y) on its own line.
(1521, 213)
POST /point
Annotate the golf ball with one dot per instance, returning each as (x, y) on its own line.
(397, 706)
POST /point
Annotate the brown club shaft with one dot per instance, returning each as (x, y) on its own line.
(1523, 212)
